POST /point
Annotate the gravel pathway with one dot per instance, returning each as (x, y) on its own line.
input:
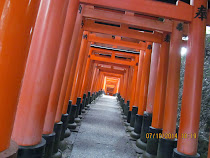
(102, 134)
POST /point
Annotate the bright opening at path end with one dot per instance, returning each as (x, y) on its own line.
(208, 30)
(183, 51)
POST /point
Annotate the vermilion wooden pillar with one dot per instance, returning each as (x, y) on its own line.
(86, 64)
(94, 78)
(92, 74)
(38, 76)
(60, 66)
(192, 90)
(145, 79)
(70, 66)
(121, 82)
(143, 122)
(89, 77)
(130, 76)
(101, 83)
(159, 101)
(160, 90)
(139, 75)
(125, 85)
(172, 90)
(98, 81)
(95, 84)
(79, 67)
(134, 109)
(17, 18)
(153, 77)
(133, 86)
(86, 75)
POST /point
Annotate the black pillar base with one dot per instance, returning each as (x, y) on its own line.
(137, 127)
(134, 135)
(166, 147)
(91, 99)
(63, 145)
(126, 108)
(50, 140)
(147, 120)
(129, 129)
(65, 120)
(58, 154)
(140, 144)
(71, 123)
(69, 107)
(78, 103)
(152, 142)
(72, 126)
(34, 151)
(148, 155)
(11, 152)
(88, 101)
(77, 120)
(177, 154)
(129, 117)
(67, 133)
(132, 119)
(80, 116)
(127, 123)
(57, 129)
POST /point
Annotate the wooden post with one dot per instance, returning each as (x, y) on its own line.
(145, 80)
(60, 66)
(16, 19)
(192, 90)
(38, 77)
(78, 72)
(159, 101)
(171, 100)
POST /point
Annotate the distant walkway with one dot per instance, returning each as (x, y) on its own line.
(102, 134)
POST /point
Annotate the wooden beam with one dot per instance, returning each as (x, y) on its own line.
(111, 70)
(94, 38)
(109, 60)
(112, 64)
(182, 11)
(123, 54)
(110, 74)
(122, 31)
(128, 19)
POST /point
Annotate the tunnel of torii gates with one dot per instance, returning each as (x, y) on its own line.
(56, 57)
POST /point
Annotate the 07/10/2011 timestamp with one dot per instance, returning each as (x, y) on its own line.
(171, 136)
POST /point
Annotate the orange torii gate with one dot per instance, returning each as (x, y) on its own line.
(113, 76)
(78, 91)
(111, 82)
(91, 57)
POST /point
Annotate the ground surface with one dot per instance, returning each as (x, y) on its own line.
(101, 135)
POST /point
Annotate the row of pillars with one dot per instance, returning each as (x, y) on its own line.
(43, 66)
(151, 117)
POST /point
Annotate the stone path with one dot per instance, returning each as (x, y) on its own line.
(102, 134)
